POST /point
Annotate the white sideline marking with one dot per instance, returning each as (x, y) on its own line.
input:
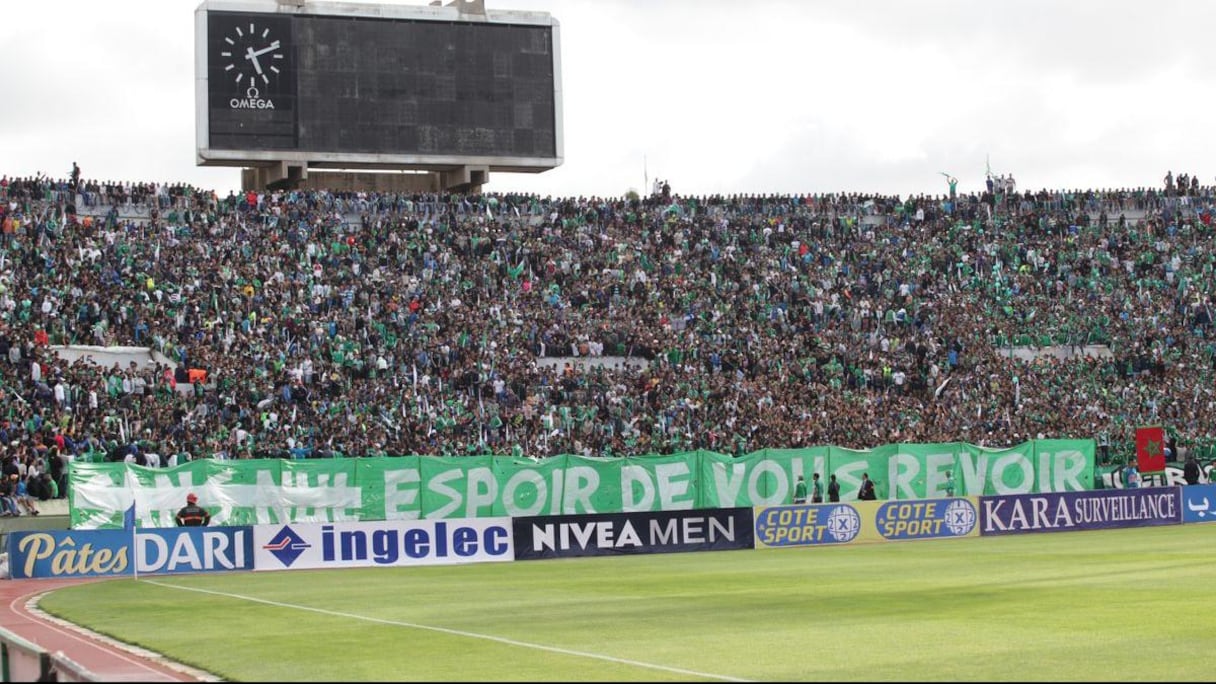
(457, 632)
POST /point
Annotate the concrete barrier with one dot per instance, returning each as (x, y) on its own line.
(67, 670)
(23, 661)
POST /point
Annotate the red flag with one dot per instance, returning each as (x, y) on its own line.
(1150, 449)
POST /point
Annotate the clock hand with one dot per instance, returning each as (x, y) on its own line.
(253, 57)
(254, 53)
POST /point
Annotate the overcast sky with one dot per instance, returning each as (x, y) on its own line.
(715, 96)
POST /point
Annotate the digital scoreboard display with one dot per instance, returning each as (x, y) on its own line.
(376, 85)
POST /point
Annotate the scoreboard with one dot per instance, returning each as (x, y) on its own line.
(376, 86)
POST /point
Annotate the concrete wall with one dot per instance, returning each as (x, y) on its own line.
(143, 357)
(585, 362)
(1063, 352)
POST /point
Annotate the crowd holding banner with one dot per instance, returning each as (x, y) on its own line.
(428, 487)
(313, 323)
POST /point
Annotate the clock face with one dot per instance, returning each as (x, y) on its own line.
(251, 80)
(253, 57)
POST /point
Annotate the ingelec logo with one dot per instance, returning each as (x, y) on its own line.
(287, 546)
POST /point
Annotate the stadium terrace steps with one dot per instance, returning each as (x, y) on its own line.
(52, 515)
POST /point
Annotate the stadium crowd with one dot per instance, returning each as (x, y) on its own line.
(312, 323)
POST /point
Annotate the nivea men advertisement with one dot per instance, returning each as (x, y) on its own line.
(1093, 510)
(607, 534)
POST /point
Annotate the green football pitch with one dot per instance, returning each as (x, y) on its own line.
(1124, 605)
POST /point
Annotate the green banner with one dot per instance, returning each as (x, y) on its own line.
(249, 492)
(848, 465)
(1042, 465)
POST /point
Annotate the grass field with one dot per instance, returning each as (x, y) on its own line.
(1122, 605)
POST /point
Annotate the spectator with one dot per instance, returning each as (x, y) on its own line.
(8, 497)
(866, 491)
(324, 322)
(22, 497)
(1131, 475)
(1191, 470)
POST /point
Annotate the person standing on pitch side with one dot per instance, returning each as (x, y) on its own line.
(192, 515)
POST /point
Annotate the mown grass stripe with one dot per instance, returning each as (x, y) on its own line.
(458, 632)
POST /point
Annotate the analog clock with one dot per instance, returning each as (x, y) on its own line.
(250, 60)
(252, 56)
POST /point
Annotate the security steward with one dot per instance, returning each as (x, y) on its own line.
(192, 515)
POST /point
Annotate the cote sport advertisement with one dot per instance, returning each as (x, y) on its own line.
(866, 521)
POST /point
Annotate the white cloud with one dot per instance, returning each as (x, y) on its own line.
(717, 97)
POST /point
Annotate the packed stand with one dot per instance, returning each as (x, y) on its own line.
(366, 324)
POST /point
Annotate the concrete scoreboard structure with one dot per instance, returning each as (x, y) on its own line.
(293, 90)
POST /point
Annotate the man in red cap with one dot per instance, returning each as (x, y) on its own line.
(193, 515)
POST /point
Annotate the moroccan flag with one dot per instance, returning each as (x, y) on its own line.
(1150, 449)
